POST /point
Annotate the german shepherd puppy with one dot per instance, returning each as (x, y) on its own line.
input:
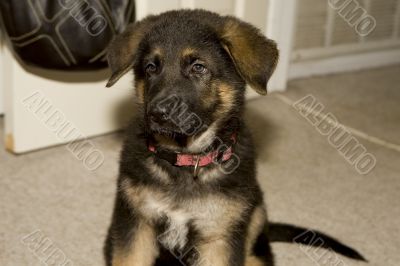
(187, 189)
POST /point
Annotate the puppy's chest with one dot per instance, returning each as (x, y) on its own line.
(209, 217)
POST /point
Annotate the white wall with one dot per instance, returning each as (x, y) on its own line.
(325, 42)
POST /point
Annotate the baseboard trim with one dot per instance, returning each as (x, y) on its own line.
(344, 63)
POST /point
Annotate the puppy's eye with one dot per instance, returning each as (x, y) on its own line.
(199, 69)
(151, 68)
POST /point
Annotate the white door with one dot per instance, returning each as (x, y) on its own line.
(45, 108)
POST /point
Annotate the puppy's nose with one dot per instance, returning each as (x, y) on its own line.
(158, 114)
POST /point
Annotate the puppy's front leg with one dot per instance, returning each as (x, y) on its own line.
(141, 250)
(133, 240)
(215, 253)
(219, 253)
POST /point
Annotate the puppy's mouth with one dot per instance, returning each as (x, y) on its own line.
(166, 130)
(168, 137)
(171, 129)
(170, 133)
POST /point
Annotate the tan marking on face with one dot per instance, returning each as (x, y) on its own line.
(256, 225)
(140, 90)
(226, 94)
(157, 51)
(209, 97)
(143, 250)
(188, 51)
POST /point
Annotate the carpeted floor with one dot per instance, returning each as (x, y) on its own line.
(50, 195)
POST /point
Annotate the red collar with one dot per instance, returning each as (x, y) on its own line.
(197, 160)
(187, 159)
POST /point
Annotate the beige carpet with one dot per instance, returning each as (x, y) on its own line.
(50, 195)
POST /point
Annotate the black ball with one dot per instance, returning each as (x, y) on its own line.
(65, 34)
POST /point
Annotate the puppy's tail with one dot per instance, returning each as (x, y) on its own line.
(278, 232)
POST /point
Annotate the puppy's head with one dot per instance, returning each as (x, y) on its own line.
(191, 68)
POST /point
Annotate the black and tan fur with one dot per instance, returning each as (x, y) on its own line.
(163, 214)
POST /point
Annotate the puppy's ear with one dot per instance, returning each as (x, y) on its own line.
(254, 56)
(123, 48)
